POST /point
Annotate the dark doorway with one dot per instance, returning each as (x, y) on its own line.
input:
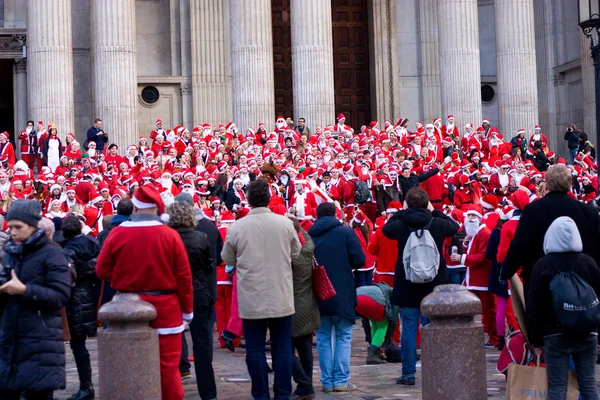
(7, 111)
(282, 58)
(351, 61)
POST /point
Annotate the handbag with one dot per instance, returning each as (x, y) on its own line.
(524, 382)
(322, 286)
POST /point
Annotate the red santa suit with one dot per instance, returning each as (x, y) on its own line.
(7, 153)
(115, 160)
(477, 278)
(224, 291)
(29, 147)
(385, 251)
(93, 219)
(164, 278)
(305, 203)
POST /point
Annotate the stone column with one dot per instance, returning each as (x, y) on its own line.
(517, 77)
(20, 94)
(385, 85)
(253, 85)
(460, 74)
(588, 87)
(211, 71)
(115, 69)
(50, 59)
(312, 61)
(430, 60)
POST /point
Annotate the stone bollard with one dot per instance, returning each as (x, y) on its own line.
(453, 353)
(128, 355)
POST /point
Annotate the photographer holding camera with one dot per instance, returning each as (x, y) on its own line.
(573, 137)
(35, 286)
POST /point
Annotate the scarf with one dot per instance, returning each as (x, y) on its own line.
(15, 251)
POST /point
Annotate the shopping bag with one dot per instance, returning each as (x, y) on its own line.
(322, 286)
(525, 382)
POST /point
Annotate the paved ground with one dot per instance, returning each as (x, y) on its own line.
(374, 382)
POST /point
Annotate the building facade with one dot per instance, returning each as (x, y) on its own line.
(517, 63)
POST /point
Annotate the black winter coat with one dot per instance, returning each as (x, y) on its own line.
(231, 199)
(540, 316)
(399, 227)
(32, 350)
(82, 307)
(198, 251)
(338, 250)
(415, 180)
(216, 245)
(527, 245)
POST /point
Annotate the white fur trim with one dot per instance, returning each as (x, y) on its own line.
(141, 205)
(171, 331)
(227, 282)
(187, 317)
(132, 224)
(463, 258)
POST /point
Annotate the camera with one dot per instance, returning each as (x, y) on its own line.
(4, 275)
(569, 129)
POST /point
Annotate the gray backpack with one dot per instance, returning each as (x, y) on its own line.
(421, 257)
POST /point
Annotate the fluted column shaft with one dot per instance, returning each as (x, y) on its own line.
(516, 63)
(211, 70)
(460, 73)
(115, 69)
(312, 61)
(20, 97)
(253, 86)
(430, 59)
(588, 87)
(50, 63)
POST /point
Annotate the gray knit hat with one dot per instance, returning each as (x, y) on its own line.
(28, 211)
(184, 198)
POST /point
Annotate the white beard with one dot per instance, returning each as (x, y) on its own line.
(190, 191)
(471, 228)
(92, 152)
(280, 125)
(537, 137)
(171, 137)
(166, 182)
(28, 130)
(245, 178)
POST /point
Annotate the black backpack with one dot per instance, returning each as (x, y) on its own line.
(362, 192)
(575, 303)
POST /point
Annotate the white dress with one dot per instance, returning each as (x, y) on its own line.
(53, 153)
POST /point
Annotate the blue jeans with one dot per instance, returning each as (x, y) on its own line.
(280, 330)
(558, 351)
(573, 154)
(408, 340)
(457, 275)
(334, 347)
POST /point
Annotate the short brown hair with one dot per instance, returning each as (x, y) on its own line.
(417, 198)
(558, 179)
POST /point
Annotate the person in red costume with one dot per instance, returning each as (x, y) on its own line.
(478, 269)
(164, 279)
(489, 202)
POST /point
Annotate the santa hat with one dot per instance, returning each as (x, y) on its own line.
(485, 120)
(347, 168)
(435, 121)
(489, 202)
(158, 121)
(521, 131)
(227, 217)
(202, 192)
(340, 117)
(507, 212)
(469, 125)
(537, 128)
(373, 124)
(214, 200)
(55, 186)
(450, 117)
(519, 199)
(474, 210)
(393, 206)
(359, 218)
(402, 121)
(148, 197)
(99, 198)
(40, 123)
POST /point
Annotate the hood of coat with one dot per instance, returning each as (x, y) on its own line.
(562, 237)
(323, 225)
(84, 246)
(416, 218)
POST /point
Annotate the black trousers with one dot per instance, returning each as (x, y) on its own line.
(45, 395)
(82, 360)
(202, 344)
(302, 365)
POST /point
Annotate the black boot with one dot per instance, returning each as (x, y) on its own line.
(501, 342)
(229, 338)
(84, 393)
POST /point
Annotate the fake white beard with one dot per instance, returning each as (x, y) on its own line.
(92, 152)
(166, 182)
(245, 178)
(537, 137)
(206, 132)
(190, 191)
(280, 125)
(471, 228)
(28, 130)
(345, 161)
(326, 159)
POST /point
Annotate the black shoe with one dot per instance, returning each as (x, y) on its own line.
(393, 353)
(84, 394)
(406, 380)
(488, 345)
(229, 338)
(501, 343)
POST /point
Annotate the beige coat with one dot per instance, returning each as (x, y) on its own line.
(261, 247)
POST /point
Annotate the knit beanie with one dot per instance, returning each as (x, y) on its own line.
(28, 211)
(184, 198)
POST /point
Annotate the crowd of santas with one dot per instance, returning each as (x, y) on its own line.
(214, 164)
